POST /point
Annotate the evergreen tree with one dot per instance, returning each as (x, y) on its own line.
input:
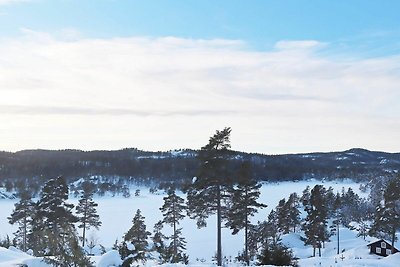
(330, 198)
(337, 220)
(276, 254)
(53, 208)
(206, 195)
(350, 207)
(253, 241)
(387, 218)
(305, 197)
(179, 244)
(268, 230)
(173, 212)
(159, 244)
(54, 227)
(38, 235)
(87, 210)
(293, 205)
(135, 245)
(288, 214)
(244, 205)
(315, 226)
(22, 215)
(282, 214)
(70, 254)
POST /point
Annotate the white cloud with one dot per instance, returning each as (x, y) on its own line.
(9, 2)
(163, 93)
(299, 45)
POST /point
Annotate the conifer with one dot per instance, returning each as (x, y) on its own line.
(86, 210)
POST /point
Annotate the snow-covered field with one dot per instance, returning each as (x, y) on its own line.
(116, 214)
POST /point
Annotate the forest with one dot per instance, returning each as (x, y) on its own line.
(111, 170)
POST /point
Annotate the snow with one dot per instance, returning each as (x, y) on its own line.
(116, 214)
(130, 246)
(110, 258)
(6, 195)
(14, 257)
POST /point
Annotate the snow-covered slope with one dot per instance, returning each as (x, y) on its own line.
(116, 214)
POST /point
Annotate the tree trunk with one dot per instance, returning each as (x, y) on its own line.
(393, 238)
(319, 249)
(246, 226)
(174, 218)
(84, 234)
(246, 247)
(84, 225)
(338, 238)
(24, 234)
(219, 219)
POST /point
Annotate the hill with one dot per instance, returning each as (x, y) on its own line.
(119, 167)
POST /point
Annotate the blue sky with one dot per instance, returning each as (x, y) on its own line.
(287, 76)
(350, 25)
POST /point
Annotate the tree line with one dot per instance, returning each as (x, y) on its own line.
(114, 169)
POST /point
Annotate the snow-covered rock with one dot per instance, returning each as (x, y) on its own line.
(110, 259)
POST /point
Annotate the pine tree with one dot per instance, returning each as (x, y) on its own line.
(294, 212)
(244, 205)
(350, 210)
(70, 254)
(270, 229)
(277, 254)
(387, 218)
(136, 245)
(337, 220)
(173, 212)
(87, 210)
(288, 214)
(178, 246)
(315, 226)
(159, 244)
(52, 205)
(22, 215)
(282, 213)
(253, 241)
(206, 195)
(54, 227)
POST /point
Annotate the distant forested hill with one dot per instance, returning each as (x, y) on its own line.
(32, 167)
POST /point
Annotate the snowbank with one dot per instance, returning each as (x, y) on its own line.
(109, 259)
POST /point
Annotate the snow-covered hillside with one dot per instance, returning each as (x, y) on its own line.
(116, 214)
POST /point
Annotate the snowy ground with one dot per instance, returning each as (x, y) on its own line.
(116, 214)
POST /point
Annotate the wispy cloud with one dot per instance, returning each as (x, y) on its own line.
(293, 90)
(55, 111)
(9, 2)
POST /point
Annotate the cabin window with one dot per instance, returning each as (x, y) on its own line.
(388, 252)
(378, 250)
(383, 245)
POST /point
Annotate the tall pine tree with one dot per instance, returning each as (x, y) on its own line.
(315, 226)
(173, 212)
(244, 205)
(86, 210)
(293, 205)
(206, 195)
(22, 215)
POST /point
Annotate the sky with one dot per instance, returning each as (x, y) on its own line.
(286, 76)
